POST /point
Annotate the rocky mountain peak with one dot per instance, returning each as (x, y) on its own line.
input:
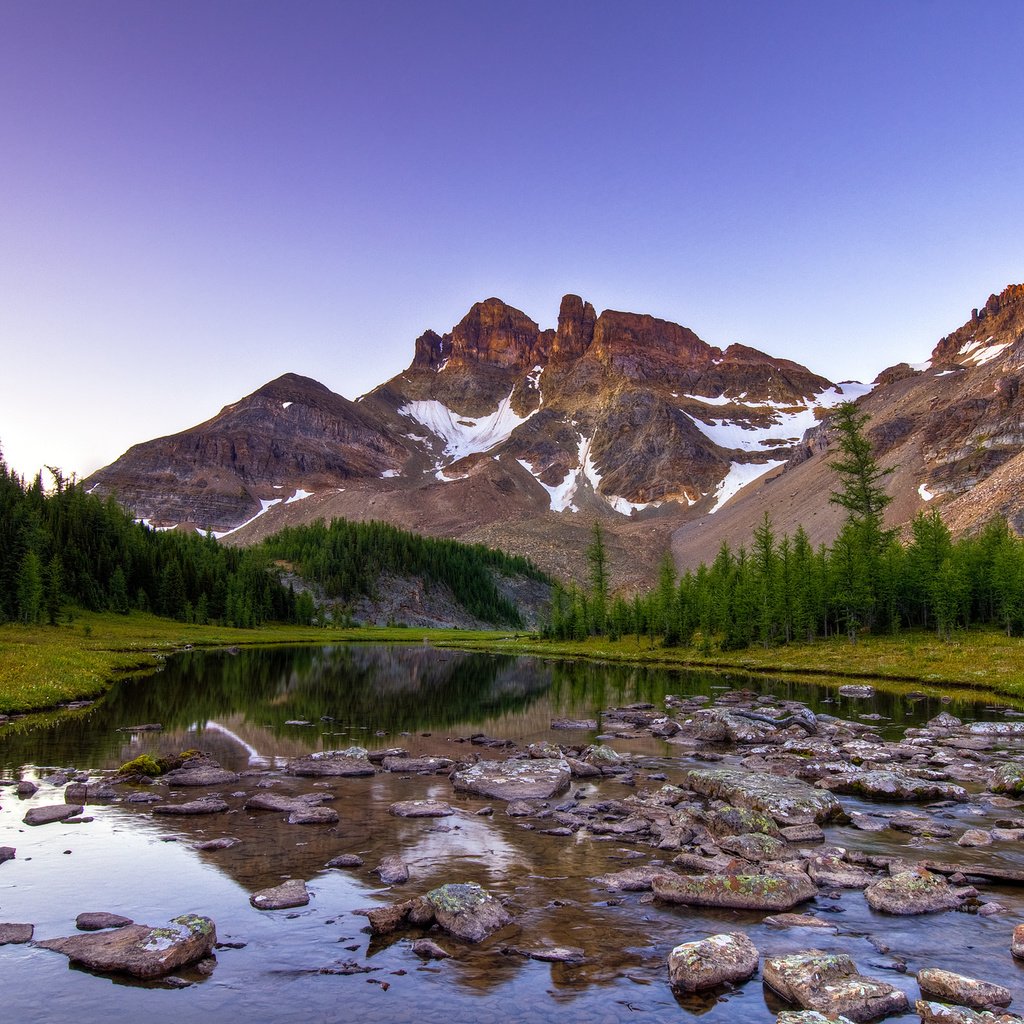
(496, 334)
(576, 320)
(991, 329)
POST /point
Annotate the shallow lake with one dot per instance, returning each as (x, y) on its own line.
(243, 708)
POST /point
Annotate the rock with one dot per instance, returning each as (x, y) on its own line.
(944, 720)
(556, 954)
(975, 837)
(389, 918)
(574, 723)
(956, 988)
(752, 846)
(420, 809)
(1017, 942)
(26, 788)
(700, 965)
(94, 922)
(392, 870)
(514, 780)
(281, 803)
(911, 892)
(345, 860)
(292, 893)
(602, 756)
(522, 808)
(89, 793)
(886, 785)
(810, 1017)
(797, 921)
(809, 833)
(1008, 778)
(331, 763)
(204, 775)
(224, 843)
(857, 691)
(7, 853)
(830, 984)
(139, 949)
(742, 892)
(631, 879)
(204, 805)
(417, 765)
(789, 801)
(427, 949)
(467, 911)
(835, 873)
(49, 813)
(310, 815)
(15, 934)
(940, 1013)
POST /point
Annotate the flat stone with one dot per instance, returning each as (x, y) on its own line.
(94, 922)
(956, 988)
(858, 691)
(329, 764)
(292, 893)
(224, 843)
(207, 775)
(742, 892)
(911, 892)
(975, 837)
(392, 870)
(7, 853)
(467, 911)
(313, 815)
(809, 833)
(532, 779)
(789, 801)
(886, 785)
(89, 793)
(15, 934)
(556, 954)
(420, 809)
(836, 873)
(752, 846)
(574, 723)
(265, 801)
(831, 984)
(631, 879)
(810, 1017)
(797, 921)
(204, 805)
(941, 1013)
(706, 963)
(1008, 778)
(417, 765)
(139, 949)
(49, 813)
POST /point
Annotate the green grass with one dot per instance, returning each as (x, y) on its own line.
(43, 666)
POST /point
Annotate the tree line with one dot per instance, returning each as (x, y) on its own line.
(781, 589)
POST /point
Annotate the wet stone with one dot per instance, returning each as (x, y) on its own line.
(224, 843)
(7, 853)
(810, 1017)
(94, 922)
(420, 809)
(427, 949)
(975, 837)
(392, 870)
(26, 788)
(206, 775)
(50, 813)
(310, 815)
(831, 984)
(956, 988)
(696, 966)
(292, 893)
(836, 873)
(345, 860)
(204, 805)
(797, 921)
(534, 779)
(417, 765)
(467, 911)
(911, 892)
(139, 949)
(555, 954)
(1008, 778)
(742, 892)
(15, 934)
(891, 785)
(940, 1013)
(329, 764)
(631, 879)
(789, 801)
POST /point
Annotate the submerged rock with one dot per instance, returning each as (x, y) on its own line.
(392, 870)
(332, 763)
(417, 765)
(49, 813)
(292, 893)
(631, 879)
(789, 801)
(1008, 778)
(427, 949)
(467, 911)
(956, 988)
(420, 809)
(345, 860)
(742, 892)
(831, 984)
(884, 785)
(139, 949)
(204, 805)
(313, 815)
(7, 853)
(695, 966)
(202, 775)
(534, 779)
(911, 892)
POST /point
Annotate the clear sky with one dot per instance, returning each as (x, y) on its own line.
(199, 195)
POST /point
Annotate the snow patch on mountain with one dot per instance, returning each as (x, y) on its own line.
(740, 474)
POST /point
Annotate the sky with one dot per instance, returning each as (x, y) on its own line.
(197, 196)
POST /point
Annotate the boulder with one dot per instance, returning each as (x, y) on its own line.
(788, 801)
(330, 764)
(417, 765)
(204, 805)
(427, 949)
(1017, 942)
(467, 911)
(741, 892)
(313, 815)
(389, 918)
(753, 846)
(49, 813)
(15, 934)
(97, 921)
(956, 988)
(631, 879)
(292, 893)
(534, 779)
(203, 775)
(345, 860)
(139, 949)
(1008, 778)
(886, 785)
(7, 853)
(729, 957)
(836, 873)
(420, 809)
(911, 892)
(281, 803)
(831, 984)
(941, 1013)
(392, 870)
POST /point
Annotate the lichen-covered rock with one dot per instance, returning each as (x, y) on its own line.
(332, 763)
(417, 765)
(831, 984)
(810, 1017)
(1017, 942)
(202, 775)
(420, 809)
(789, 801)
(753, 846)
(292, 893)
(743, 892)
(831, 870)
(696, 966)
(204, 805)
(631, 879)
(139, 949)
(941, 1013)
(467, 911)
(911, 892)
(1008, 778)
(886, 785)
(956, 988)
(534, 779)
(975, 837)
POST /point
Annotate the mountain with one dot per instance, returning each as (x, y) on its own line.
(521, 438)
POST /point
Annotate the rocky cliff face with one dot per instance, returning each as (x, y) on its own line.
(502, 432)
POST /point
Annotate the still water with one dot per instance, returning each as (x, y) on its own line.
(242, 708)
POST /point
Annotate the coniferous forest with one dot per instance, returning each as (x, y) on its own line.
(779, 590)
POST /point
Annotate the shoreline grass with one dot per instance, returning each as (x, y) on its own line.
(42, 667)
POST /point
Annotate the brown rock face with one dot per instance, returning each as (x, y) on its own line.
(496, 334)
(576, 321)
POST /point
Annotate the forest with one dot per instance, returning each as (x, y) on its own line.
(780, 590)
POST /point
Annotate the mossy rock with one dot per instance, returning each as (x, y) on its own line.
(144, 764)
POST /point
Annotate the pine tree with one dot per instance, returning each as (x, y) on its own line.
(597, 561)
(30, 589)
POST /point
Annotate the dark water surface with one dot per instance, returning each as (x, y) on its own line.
(237, 709)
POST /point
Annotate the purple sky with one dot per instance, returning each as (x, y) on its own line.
(198, 196)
